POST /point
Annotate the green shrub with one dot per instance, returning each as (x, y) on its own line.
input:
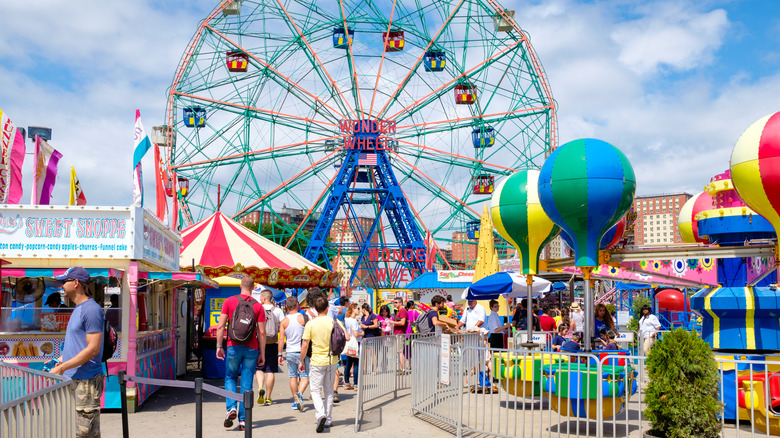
(682, 394)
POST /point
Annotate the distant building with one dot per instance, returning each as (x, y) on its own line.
(464, 250)
(291, 216)
(656, 221)
(556, 249)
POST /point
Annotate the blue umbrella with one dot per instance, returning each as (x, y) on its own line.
(279, 295)
(508, 284)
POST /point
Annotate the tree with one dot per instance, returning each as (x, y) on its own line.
(279, 232)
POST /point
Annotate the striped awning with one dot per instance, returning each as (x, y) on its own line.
(218, 246)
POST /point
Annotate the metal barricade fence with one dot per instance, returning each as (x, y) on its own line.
(404, 347)
(383, 368)
(35, 403)
(430, 397)
(508, 393)
(527, 393)
(384, 365)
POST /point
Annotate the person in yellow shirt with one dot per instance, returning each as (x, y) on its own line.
(322, 370)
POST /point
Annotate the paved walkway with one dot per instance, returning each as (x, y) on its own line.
(170, 412)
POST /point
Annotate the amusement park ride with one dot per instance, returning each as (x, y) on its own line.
(381, 121)
(385, 122)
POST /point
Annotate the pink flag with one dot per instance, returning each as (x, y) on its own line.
(11, 159)
(430, 253)
(45, 172)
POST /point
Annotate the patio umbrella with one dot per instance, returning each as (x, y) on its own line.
(279, 295)
(508, 284)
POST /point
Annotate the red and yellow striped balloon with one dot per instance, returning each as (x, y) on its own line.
(755, 167)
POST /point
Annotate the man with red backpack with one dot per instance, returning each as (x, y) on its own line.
(245, 345)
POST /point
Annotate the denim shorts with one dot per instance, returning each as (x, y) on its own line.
(293, 361)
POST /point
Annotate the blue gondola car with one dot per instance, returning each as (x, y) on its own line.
(339, 41)
(195, 117)
(483, 137)
(472, 229)
(434, 60)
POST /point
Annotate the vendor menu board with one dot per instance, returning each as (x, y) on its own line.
(30, 348)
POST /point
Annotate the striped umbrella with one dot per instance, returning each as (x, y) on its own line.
(755, 167)
(220, 247)
(586, 186)
(519, 218)
(220, 241)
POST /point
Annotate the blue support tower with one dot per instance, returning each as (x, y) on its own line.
(365, 155)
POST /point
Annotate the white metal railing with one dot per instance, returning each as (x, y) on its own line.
(35, 403)
(508, 393)
(387, 363)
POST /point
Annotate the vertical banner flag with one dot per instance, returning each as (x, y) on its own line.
(159, 186)
(141, 145)
(11, 158)
(430, 253)
(76, 194)
(45, 172)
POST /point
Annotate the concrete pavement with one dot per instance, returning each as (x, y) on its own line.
(170, 412)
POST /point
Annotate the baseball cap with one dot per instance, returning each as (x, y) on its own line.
(74, 273)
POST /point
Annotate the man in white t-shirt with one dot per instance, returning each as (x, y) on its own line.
(577, 318)
(265, 373)
(473, 316)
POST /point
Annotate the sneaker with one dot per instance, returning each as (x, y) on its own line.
(321, 424)
(328, 424)
(299, 401)
(295, 406)
(231, 415)
(267, 402)
(336, 397)
(241, 425)
(261, 397)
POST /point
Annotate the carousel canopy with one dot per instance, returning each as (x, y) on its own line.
(218, 246)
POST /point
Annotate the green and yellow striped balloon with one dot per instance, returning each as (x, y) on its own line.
(519, 218)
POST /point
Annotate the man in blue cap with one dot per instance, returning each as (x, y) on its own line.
(82, 351)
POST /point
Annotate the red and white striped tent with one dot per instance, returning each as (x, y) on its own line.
(218, 247)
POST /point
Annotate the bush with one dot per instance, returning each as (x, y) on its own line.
(682, 395)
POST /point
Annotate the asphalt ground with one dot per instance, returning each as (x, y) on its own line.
(170, 412)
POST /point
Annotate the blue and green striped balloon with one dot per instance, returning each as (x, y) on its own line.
(519, 218)
(586, 186)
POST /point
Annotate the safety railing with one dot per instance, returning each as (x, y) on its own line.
(383, 368)
(387, 365)
(507, 393)
(35, 403)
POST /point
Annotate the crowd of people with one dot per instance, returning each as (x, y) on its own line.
(303, 339)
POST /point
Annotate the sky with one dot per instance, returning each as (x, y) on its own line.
(673, 84)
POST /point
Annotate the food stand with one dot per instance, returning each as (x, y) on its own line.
(133, 261)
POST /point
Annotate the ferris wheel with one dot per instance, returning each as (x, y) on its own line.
(389, 120)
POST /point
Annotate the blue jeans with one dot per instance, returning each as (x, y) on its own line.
(241, 359)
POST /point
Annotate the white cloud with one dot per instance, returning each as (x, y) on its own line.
(672, 35)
